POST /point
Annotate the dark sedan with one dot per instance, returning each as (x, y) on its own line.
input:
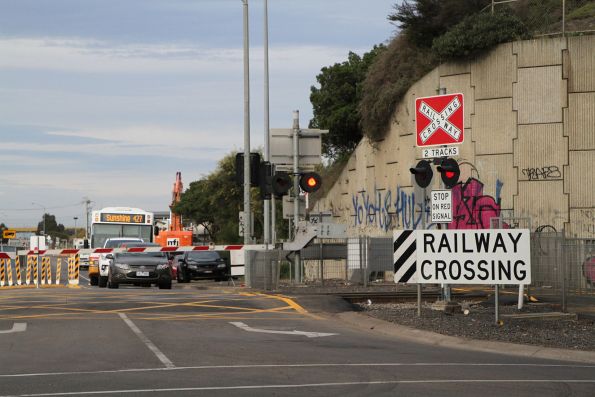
(201, 265)
(139, 268)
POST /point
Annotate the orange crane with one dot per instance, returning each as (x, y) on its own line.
(175, 235)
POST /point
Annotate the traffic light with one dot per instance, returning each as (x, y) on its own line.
(280, 183)
(310, 182)
(254, 169)
(449, 172)
(423, 173)
(265, 179)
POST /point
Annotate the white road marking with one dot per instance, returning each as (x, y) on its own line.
(166, 361)
(252, 366)
(330, 384)
(270, 331)
(16, 327)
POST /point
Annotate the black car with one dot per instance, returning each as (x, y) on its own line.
(139, 268)
(196, 265)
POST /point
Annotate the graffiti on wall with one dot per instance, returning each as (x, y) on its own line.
(471, 208)
(388, 209)
(542, 173)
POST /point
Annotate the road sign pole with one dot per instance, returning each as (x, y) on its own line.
(423, 226)
(296, 189)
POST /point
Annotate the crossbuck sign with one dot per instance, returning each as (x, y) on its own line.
(439, 120)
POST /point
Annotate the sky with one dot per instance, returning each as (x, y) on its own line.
(108, 99)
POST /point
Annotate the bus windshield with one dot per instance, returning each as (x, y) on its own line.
(102, 232)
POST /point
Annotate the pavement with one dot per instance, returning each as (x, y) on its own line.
(341, 310)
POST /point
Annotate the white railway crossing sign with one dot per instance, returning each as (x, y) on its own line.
(490, 256)
(441, 206)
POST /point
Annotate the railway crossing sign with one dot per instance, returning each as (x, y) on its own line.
(439, 120)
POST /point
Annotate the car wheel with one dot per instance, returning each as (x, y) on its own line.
(110, 283)
(93, 280)
(102, 283)
(187, 276)
(179, 276)
(164, 284)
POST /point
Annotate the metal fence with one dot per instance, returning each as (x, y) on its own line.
(562, 269)
(550, 17)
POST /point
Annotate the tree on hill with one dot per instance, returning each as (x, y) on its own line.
(335, 102)
(52, 227)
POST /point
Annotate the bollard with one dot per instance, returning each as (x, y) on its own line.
(74, 279)
(2, 272)
(58, 269)
(43, 270)
(29, 268)
(48, 269)
(36, 270)
(9, 271)
(17, 266)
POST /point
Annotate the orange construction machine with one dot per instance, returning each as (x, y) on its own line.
(175, 235)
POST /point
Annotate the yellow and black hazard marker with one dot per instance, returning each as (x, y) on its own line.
(43, 269)
(17, 266)
(48, 269)
(2, 272)
(8, 263)
(75, 270)
(29, 269)
(58, 269)
(70, 266)
(35, 270)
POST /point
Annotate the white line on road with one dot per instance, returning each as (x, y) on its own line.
(321, 365)
(146, 341)
(271, 331)
(330, 384)
(16, 327)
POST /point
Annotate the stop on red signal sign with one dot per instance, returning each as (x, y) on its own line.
(439, 120)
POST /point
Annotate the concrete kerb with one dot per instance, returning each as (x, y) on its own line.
(370, 324)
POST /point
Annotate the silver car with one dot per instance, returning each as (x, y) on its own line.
(139, 268)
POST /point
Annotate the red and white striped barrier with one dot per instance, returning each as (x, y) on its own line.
(72, 251)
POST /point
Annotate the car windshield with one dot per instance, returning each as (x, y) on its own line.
(203, 256)
(141, 255)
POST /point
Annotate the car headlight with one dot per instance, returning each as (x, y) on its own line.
(162, 266)
(221, 265)
(123, 266)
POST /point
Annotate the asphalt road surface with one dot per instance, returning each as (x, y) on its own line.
(204, 339)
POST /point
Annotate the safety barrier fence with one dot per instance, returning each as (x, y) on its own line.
(34, 270)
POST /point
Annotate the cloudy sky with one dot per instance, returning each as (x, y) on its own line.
(107, 99)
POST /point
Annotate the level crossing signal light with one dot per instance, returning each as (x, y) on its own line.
(280, 183)
(423, 173)
(449, 172)
(254, 169)
(310, 182)
(265, 179)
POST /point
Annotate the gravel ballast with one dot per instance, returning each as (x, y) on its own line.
(479, 323)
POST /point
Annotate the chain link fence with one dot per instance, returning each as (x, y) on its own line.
(550, 17)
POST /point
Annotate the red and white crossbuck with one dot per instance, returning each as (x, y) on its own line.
(439, 120)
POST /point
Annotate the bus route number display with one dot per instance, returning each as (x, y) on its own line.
(122, 218)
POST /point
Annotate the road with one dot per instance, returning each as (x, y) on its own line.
(218, 340)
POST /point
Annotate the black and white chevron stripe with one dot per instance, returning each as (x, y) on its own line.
(404, 256)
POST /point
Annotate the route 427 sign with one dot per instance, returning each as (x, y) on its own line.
(439, 120)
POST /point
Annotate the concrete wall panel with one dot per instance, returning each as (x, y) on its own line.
(539, 52)
(582, 63)
(498, 177)
(539, 95)
(579, 122)
(450, 68)
(494, 126)
(541, 152)
(582, 223)
(580, 179)
(493, 74)
(461, 83)
(544, 202)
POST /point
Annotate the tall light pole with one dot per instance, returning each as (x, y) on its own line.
(267, 203)
(43, 207)
(247, 214)
(75, 219)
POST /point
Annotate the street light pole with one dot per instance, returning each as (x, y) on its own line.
(43, 207)
(75, 219)
(247, 214)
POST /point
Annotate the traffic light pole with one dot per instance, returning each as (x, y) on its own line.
(296, 190)
(247, 236)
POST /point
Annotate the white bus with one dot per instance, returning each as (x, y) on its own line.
(113, 222)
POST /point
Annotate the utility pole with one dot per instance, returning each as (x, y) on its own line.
(267, 203)
(296, 189)
(247, 214)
